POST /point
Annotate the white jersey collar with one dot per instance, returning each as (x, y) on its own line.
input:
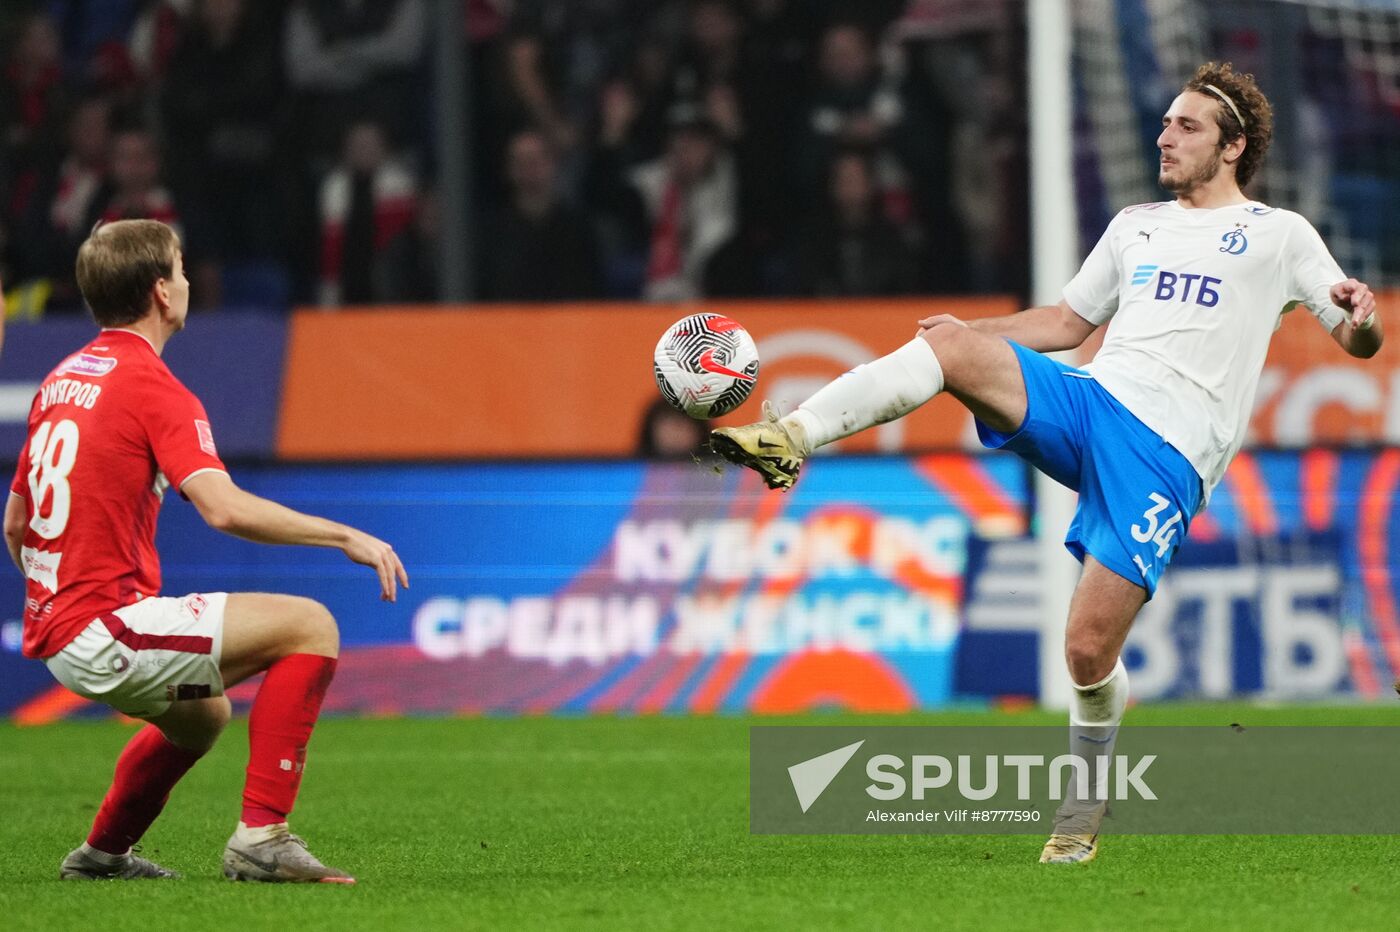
(133, 333)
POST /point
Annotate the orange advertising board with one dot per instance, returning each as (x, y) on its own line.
(560, 381)
(1313, 393)
(574, 381)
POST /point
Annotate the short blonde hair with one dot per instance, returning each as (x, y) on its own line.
(120, 263)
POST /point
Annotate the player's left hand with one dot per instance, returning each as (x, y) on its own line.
(379, 556)
(1356, 297)
(928, 323)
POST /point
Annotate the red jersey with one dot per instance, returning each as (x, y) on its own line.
(110, 429)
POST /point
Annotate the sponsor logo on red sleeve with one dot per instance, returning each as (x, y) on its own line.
(206, 437)
(87, 364)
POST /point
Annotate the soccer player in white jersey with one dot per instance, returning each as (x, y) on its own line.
(1192, 290)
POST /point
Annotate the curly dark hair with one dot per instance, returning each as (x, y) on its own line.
(1253, 106)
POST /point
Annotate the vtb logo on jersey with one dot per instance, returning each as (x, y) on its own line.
(1179, 286)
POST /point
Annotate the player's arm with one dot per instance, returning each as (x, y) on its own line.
(14, 527)
(225, 507)
(1052, 327)
(1360, 334)
(1045, 329)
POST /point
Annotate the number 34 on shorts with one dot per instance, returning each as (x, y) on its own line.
(1156, 527)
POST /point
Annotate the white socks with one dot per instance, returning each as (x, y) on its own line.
(1101, 703)
(1095, 712)
(870, 394)
(102, 857)
(255, 836)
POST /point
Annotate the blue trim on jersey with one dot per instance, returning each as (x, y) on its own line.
(1137, 493)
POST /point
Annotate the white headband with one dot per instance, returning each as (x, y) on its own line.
(1228, 102)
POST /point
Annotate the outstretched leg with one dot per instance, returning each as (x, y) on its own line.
(296, 641)
(979, 370)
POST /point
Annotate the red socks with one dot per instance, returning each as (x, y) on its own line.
(148, 768)
(279, 727)
(284, 713)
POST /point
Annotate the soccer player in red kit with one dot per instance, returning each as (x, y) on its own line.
(111, 430)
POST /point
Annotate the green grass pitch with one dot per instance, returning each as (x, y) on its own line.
(611, 823)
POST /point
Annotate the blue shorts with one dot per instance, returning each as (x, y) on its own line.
(1137, 493)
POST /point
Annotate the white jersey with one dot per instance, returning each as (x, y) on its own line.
(1192, 298)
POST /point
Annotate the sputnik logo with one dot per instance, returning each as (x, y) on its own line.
(811, 777)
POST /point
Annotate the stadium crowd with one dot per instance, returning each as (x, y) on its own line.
(656, 149)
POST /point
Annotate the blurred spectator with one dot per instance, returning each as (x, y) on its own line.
(137, 192)
(773, 80)
(691, 201)
(355, 60)
(850, 248)
(632, 105)
(780, 31)
(82, 174)
(970, 58)
(94, 34)
(32, 107)
(734, 91)
(538, 248)
(709, 75)
(668, 434)
(158, 34)
(366, 202)
(67, 202)
(410, 267)
(857, 102)
(558, 54)
(683, 206)
(851, 104)
(222, 107)
(694, 130)
(119, 48)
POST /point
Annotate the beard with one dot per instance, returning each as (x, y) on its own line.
(1204, 174)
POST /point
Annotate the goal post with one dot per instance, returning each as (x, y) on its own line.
(1054, 259)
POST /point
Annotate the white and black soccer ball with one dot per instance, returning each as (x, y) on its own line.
(706, 365)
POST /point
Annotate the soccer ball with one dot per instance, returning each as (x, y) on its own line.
(705, 365)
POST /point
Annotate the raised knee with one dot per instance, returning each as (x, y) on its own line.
(945, 334)
(198, 729)
(319, 633)
(219, 714)
(1089, 660)
(957, 349)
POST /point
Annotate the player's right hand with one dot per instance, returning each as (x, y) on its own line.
(379, 556)
(1356, 297)
(928, 323)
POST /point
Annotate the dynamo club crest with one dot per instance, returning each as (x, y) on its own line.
(1235, 241)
